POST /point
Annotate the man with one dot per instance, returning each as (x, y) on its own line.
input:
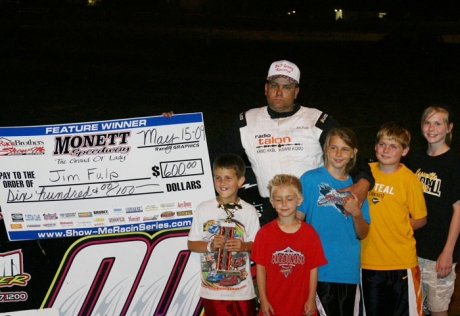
(283, 137)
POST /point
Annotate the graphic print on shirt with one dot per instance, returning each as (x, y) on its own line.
(430, 182)
(211, 278)
(379, 191)
(288, 260)
(330, 197)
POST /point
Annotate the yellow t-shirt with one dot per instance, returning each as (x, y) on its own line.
(395, 198)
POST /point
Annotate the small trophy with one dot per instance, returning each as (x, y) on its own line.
(227, 229)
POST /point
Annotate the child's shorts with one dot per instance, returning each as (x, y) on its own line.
(392, 292)
(338, 299)
(229, 308)
(436, 292)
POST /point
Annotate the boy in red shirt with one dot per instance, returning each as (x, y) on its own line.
(288, 252)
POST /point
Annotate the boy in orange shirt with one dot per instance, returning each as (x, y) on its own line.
(390, 271)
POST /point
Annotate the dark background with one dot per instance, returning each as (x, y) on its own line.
(77, 64)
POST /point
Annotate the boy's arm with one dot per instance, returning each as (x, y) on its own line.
(216, 242)
(310, 305)
(444, 262)
(197, 246)
(361, 226)
(417, 223)
(261, 277)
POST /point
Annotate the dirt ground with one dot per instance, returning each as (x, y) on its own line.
(80, 66)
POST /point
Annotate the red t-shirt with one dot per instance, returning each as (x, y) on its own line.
(288, 259)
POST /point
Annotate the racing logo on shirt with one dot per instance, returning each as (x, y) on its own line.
(288, 259)
(330, 197)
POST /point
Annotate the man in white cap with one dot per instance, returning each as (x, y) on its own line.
(283, 137)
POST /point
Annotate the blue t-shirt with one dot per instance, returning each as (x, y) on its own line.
(323, 208)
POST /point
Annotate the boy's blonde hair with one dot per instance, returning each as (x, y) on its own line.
(394, 131)
(349, 138)
(232, 162)
(285, 180)
(447, 115)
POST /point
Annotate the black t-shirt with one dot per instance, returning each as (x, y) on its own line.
(440, 177)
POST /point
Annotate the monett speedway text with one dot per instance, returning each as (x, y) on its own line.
(115, 229)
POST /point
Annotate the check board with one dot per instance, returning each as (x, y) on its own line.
(117, 176)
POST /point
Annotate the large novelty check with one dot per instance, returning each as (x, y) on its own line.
(130, 175)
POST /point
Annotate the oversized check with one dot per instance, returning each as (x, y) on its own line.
(129, 175)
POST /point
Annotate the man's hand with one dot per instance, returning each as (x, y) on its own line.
(359, 189)
(168, 114)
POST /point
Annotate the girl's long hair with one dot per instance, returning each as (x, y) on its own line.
(349, 137)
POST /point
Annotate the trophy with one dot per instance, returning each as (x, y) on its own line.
(227, 229)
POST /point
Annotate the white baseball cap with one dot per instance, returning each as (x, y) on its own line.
(285, 69)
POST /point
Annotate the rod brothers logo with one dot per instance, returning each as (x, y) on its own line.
(12, 271)
(92, 144)
(16, 147)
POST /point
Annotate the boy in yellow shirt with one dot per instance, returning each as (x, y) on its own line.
(390, 272)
